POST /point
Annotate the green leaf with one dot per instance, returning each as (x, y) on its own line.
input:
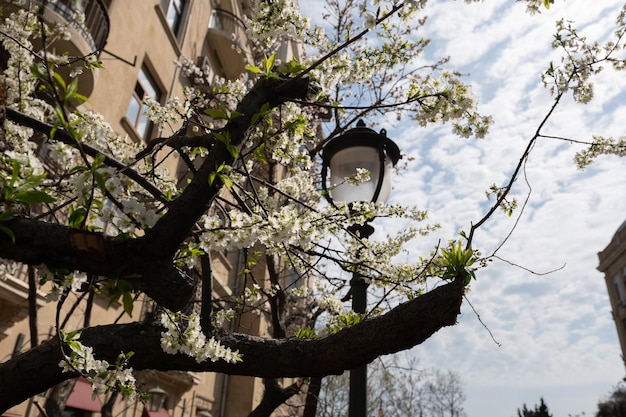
(225, 139)
(127, 300)
(36, 71)
(306, 333)
(263, 111)
(59, 80)
(15, 172)
(70, 336)
(216, 114)
(61, 116)
(95, 64)
(77, 216)
(212, 177)
(81, 98)
(253, 69)
(228, 183)
(259, 154)
(268, 63)
(99, 180)
(72, 88)
(33, 197)
(292, 67)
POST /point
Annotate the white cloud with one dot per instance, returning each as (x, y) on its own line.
(557, 337)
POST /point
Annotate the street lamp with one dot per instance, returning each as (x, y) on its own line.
(156, 399)
(359, 147)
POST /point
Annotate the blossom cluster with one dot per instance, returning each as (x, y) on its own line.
(183, 334)
(102, 375)
(20, 84)
(600, 146)
(61, 283)
(446, 98)
(275, 21)
(582, 59)
(168, 115)
(330, 304)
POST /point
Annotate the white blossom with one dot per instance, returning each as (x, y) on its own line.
(184, 335)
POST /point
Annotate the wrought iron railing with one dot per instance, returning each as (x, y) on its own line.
(227, 22)
(95, 27)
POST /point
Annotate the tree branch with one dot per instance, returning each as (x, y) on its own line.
(57, 246)
(405, 326)
(64, 137)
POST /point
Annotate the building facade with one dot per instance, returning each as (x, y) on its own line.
(138, 43)
(613, 265)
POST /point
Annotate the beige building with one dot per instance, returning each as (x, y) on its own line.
(138, 42)
(613, 265)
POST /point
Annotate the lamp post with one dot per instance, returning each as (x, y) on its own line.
(156, 399)
(359, 147)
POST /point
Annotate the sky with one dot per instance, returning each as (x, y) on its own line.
(553, 334)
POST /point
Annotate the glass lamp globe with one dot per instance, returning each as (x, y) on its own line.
(363, 148)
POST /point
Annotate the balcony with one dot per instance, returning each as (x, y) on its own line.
(227, 36)
(95, 29)
(88, 36)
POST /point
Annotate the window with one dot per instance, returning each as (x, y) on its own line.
(136, 114)
(174, 10)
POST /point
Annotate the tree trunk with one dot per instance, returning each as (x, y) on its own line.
(55, 403)
(107, 408)
(32, 307)
(312, 397)
(274, 396)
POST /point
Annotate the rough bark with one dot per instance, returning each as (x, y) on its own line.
(38, 242)
(405, 326)
(312, 397)
(55, 402)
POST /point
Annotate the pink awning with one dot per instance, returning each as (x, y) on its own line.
(82, 397)
(161, 413)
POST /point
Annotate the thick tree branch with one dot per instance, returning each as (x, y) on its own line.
(405, 326)
(57, 246)
(175, 225)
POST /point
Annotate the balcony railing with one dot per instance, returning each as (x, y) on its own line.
(227, 22)
(95, 28)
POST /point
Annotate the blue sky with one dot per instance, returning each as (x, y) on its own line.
(557, 338)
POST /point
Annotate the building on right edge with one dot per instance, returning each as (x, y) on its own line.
(613, 265)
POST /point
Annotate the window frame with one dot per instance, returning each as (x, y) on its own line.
(145, 84)
(175, 25)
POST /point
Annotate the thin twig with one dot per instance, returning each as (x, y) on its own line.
(482, 322)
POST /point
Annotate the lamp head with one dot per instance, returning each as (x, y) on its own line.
(359, 147)
(156, 399)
